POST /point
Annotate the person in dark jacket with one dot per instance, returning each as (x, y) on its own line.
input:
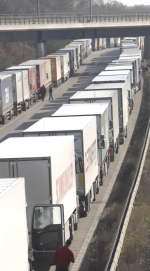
(43, 92)
(101, 175)
(63, 257)
(51, 93)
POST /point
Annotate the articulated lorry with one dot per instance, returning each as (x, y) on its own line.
(85, 139)
(48, 165)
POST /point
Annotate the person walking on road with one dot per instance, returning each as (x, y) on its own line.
(43, 92)
(101, 175)
(63, 257)
(51, 93)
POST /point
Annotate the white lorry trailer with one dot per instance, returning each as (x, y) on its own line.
(6, 97)
(77, 47)
(14, 234)
(129, 81)
(116, 73)
(111, 79)
(122, 67)
(101, 112)
(125, 62)
(85, 137)
(25, 84)
(123, 105)
(92, 95)
(65, 65)
(18, 100)
(72, 58)
(137, 64)
(43, 71)
(48, 165)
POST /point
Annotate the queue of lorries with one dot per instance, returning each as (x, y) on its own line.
(20, 85)
(56, 162)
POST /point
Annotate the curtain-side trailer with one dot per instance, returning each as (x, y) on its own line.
(6, 97)
(32, 79)
(25, 84)
(43, 71)
(17, 90)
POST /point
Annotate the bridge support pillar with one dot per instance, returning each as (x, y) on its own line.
(107, 42)
(147, 48)
(41, 49)
(95, 44)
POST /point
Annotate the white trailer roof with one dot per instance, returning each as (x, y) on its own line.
(67, 49)
(58, 53)
(114, 73)
(122, 62)
(51, 56)
(118, 67)
(4, 75)
(103, 94)
(19, 67)
(61, 53)
(33, 62)
(81, 109)
(117, 78)
(60, 124)
(6, 184)
(71, 47)
(128, 53)
(128, 58)
(73, 44)
(84, 39)
(107, 86)
(12, 72)
(23, 147)
(131, 51)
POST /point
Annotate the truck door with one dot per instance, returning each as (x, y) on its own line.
(8, 169)
(47, 231)
(37, 180)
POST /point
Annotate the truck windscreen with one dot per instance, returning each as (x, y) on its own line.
(45, 216)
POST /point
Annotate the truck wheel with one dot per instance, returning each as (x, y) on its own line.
(15, 110)
(28, 105)
(3, 119)
(10, 116)
(88, 202)
(23, 107)
(75, 220)
(71, 227)
(76, 226)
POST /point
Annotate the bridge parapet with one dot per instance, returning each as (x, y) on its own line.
(67, 19)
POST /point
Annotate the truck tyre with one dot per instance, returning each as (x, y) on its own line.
(28, 104)
(3, 119)
(88, 202)
(76, 226)
(75, 221)
(10, 116)
(23, 107)
(71, 227)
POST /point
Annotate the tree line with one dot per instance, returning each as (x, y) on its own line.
(75, 7)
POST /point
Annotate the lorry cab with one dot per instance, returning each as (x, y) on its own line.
(48, 231)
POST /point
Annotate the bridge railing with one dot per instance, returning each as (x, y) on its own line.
(56, 19)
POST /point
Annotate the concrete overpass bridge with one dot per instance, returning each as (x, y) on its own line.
(43, 27)
(57, 26)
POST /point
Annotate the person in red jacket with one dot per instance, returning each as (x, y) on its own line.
(63, 257)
